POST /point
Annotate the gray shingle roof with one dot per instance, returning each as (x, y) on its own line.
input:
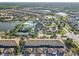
(44, 42)
(8, 43)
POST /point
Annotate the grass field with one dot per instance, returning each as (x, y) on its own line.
(8, 6)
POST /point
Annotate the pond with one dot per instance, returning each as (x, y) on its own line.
(6, 26)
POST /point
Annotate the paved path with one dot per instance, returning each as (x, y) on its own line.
(72, 35)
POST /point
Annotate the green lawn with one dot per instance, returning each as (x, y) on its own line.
(8, 6)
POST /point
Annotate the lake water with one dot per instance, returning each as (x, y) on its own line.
(5, 26)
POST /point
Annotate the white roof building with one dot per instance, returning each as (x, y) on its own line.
(62, 14)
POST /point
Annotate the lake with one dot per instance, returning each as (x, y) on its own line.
(5, 26)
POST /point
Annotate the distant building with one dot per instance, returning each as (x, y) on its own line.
(6, 18)
(73, 23)
(48, 17)
(25, 17)
(61, 14)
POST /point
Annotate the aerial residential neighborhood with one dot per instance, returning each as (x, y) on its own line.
(39, 29)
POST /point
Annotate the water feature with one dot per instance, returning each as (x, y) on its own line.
(6, 26)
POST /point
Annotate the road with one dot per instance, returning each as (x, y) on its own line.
(72, 35)
(27, 12)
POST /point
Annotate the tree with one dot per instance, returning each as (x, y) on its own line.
(0, 51)
(61, 32)
(17, 50)
(69, 42)
(51, 37)
(21, 43)
(54, 35)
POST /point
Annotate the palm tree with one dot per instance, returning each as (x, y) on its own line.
(22, 44)
(0, 51)
(17, 50)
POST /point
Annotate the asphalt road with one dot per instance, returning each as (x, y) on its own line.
(72, 35)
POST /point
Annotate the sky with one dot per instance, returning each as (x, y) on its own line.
(39, 0)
